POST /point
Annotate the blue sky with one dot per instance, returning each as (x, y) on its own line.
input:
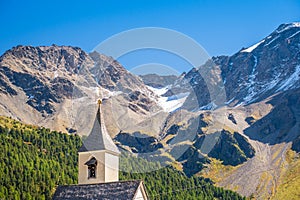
(221, 27)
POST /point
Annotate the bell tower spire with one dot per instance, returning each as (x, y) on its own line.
(98, 159)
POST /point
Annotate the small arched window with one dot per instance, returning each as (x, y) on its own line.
(92, 167)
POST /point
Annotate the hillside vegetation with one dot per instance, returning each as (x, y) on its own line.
(290, 183)
(35, 160)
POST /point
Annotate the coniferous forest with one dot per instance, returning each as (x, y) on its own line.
(34, 161)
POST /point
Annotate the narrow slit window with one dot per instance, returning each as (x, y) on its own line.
(92, 171)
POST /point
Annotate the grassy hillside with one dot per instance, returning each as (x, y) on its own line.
(290, 183)
(35, 160)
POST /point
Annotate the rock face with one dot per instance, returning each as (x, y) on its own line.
(158, 81)
(281, 125)
(252, 74)
(38, 81)
(44, 74)
(232, 149)
(139, 142)
(111, 75)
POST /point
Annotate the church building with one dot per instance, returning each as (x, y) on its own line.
(98, 170)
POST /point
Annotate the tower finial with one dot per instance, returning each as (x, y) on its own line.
(99, 102)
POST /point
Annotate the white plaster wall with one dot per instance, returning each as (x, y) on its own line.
(83, 169)
(111, 167)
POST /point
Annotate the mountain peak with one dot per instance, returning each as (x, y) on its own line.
(44, 48)
(287, 26)
(26, 58)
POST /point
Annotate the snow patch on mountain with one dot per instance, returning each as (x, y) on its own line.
(251, 83)
(294, 35)
(228, 102)
(272, 40)
(169, 104)
(209, 106)
(250, 49)
(290, 82)
(159, 91)
(288, 26)
(254, 92)
(295, 24)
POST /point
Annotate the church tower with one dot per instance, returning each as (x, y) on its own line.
(98, 159)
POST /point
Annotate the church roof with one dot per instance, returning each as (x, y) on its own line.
(99, 138)
(113, 190)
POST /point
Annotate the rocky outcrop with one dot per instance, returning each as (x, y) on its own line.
(139, 143)
(158, 81)
(232, 149)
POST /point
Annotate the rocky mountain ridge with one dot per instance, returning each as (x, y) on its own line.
(250, 75)
(44, 79)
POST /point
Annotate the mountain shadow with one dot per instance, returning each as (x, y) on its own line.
(282, 123)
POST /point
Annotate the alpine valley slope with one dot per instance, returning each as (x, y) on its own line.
(247, 143)
(262, 85)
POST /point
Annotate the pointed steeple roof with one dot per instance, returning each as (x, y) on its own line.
(99, 138)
